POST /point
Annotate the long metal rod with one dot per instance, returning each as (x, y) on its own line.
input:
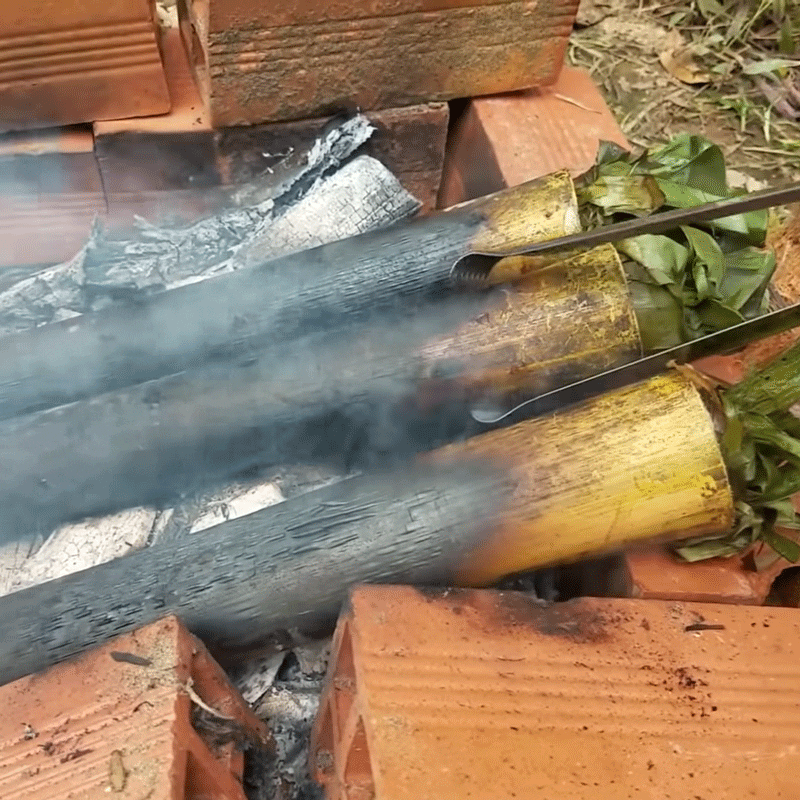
(714, 344)
(664, 221)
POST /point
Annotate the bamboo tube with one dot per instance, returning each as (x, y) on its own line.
(377, 392)
(334, 286)
(556, 326)
(283, 568)
(641, 463)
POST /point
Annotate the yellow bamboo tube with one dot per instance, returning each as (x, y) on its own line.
(641, 463)
(557, 326)
(534, 211)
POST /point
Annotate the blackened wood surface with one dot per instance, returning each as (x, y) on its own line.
(287, 567)
(409, 141)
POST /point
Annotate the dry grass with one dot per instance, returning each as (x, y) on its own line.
(724, 69)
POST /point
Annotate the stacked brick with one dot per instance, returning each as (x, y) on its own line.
(166, 107)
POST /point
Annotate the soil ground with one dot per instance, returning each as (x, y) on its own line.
(665, 69)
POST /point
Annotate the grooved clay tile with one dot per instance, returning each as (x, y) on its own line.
(271, 61)
(53, 161)
(62, 63)
(164, 167)
(455, 694)
(509, 139)
(168, 151)
(117, 722)
(50, 192)
(46, 229)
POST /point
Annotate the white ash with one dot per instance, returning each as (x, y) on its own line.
(13, 557)
(166, 257)
(313, 657)
(216, 506)
(44, 296)
(256, 678)
(289, 709)
(235, 502)
(361, 196)
(156, 257)
(75, 547)
(301, 170)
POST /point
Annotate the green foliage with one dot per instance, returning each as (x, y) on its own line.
(699, 279)
(761, 448)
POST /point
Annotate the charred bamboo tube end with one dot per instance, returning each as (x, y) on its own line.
(541, 209)
(642, 463)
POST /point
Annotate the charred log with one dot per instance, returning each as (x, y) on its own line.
(361, 397)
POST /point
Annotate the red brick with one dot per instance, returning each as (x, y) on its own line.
(452, 693)
(507, 140)
(161, 167)
(47, 229)
(269, 61)
(74, 62)
(117, 722)
(143, 159)
(50, 192)
(658, 574)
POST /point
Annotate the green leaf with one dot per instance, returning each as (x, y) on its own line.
(722, 547)
(739, 287)
(608, 152)
(770, 392)
(733, 435)
(707, 251)
(784, 516)
(752, 259)
(785, 484)
(786, 37)
(763, 429)
(691, 161)
(761, 449)
(715, 316)
(769, 65)
(710, 9)
(703, 288)
(782, 545)
(752, 226)
(629, 194)
(659, 316)
(787, 421)
(663, 257)
(771, 472)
